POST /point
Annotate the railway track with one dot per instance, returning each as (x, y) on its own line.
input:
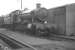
(13, 43)
(62, 37)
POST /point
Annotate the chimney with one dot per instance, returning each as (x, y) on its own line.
(38, 5)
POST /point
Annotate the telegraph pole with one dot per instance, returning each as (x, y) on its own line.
(21, 4)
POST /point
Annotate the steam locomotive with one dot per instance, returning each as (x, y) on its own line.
(30, 24)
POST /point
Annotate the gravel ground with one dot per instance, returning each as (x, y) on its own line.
(53, 47)
(60, 45)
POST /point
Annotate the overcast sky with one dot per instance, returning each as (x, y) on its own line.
(6, 6)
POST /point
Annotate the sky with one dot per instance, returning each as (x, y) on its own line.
(7, 6)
